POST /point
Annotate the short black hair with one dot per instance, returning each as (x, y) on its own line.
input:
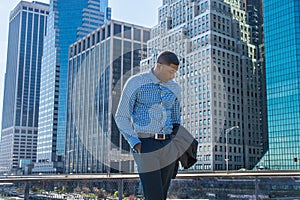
(167, 58)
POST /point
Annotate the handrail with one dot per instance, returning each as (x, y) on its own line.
(180, 175)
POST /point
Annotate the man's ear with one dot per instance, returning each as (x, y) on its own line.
(158, 65)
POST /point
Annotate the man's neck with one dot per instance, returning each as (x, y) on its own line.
(156, 73)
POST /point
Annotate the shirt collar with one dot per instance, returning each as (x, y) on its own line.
(153, 78)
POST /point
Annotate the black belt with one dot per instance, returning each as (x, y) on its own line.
(155, 136)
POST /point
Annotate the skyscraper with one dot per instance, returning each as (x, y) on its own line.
(27, 28)
(99, 65)
(68, 21)
(96, 14)
(218, 75)
(255, 20)
(282, 47)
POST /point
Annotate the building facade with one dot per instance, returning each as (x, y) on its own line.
(282, 45)
(99, 65)
(219, 78)
(68, 21)
(27, 28)
(96, 14)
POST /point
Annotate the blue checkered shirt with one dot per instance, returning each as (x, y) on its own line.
(147, 105)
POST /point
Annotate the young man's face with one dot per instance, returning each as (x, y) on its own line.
(167, 72)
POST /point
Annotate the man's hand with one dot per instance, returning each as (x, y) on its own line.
(138, 147)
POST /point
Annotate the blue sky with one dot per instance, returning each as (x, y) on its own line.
(140, 12)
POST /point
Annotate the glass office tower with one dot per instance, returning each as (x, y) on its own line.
(27, 28)
(282, 50)
(99, 65)
(68, 21)
(96, 14)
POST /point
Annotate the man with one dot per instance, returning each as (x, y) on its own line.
(148, 111)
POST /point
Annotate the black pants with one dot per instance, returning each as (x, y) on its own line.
(156, 166)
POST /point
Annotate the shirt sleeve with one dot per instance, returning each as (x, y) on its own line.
(124, 113)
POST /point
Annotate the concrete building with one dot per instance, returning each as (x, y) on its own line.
(99, 65)
(68, 21)
(27, 28)
(219, 78)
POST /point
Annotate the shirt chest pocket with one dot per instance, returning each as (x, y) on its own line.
(149, 97)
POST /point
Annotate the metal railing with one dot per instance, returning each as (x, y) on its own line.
(192, 185)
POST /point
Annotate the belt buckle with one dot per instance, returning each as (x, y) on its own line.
(160, 136)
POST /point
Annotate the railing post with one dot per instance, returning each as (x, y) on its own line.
(26, 191)
(120, 189)
(256, 188)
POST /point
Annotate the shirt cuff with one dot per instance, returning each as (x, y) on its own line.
(133, 141)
